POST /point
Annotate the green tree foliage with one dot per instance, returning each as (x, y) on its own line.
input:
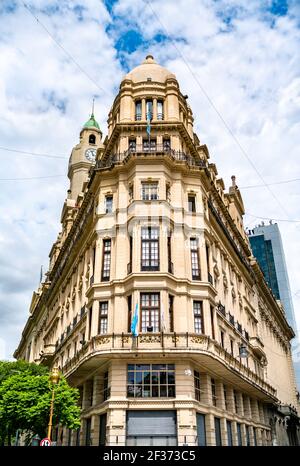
(25, 397)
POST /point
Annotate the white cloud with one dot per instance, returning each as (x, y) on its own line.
(250, 71)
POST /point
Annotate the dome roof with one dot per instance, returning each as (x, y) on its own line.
(149, 69)
(91, 123)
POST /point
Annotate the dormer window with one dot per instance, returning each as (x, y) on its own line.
(160, 110)
(92, 139)
(138, 110)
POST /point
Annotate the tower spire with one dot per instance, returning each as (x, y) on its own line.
(93, 107)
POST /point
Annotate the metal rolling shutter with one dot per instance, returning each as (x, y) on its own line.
(151, 423)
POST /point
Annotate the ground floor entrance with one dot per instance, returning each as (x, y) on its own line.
(151, 428)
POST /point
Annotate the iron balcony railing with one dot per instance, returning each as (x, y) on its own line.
(221, 309)
(144, 149)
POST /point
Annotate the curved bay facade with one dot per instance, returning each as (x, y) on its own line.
(148, 230)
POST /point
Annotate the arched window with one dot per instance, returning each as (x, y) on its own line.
(160, 110)
(92, 139)
(138, 110)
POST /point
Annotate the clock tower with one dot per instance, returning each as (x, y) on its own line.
(83, 156)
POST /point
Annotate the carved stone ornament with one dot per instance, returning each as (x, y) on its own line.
(103, 340)
(197, 339)
(150, 339)
(216, 270)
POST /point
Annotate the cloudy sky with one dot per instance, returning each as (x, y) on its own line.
(238, 61)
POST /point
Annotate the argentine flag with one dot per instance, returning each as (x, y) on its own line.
(148, 129)
(135, 321)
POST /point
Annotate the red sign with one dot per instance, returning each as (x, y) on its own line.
(46, 442)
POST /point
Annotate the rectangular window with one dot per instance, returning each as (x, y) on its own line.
(103, 314)
(222, 338)
(232, 347)
(129, 265)
(160, 112)
(106, 388)
(132, 145)
(239, 434)
(149, 191)
(130, 192)
(150, 311)
(212, 322)
(102, 429)
(254, 437)
(129, 307)
(229, 434)
(201, 430)
(195, 259)
(88, 432)
(166, 144)
(235, 402)
(197, 386)
(168, 192)
(90, 322)
(151, 380)
(198, 317)
(138, 110)
(248, 444)
(150, 249)
(213, 392)
(106, 259)
(170, 263)
(218, 432)
(192, 203)
(108, 204)
(149, 147)
(225, 397)
(171, 313)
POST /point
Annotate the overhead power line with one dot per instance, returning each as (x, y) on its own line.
(273, 219)
(63, 49)
(33, 153)
(269, 184)
(31, 178)
(214, 107)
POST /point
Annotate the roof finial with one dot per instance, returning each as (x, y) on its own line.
(93, 105)
(233, 181)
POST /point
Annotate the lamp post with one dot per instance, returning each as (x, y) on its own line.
(54, 379)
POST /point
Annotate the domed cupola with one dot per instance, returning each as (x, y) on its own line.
(149, 70)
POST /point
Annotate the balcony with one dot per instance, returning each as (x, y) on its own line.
(231, 319)
(144, 150)
(257, 346)
(221, 309)
(239, 328)
(210, 278)
(183, 344)
(48, 353)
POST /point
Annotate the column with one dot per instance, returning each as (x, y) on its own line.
(251, 435)
(143, 109)
(254, 410)
(230, 399)
(210, 430)
(234, 433)
(224, 432)
(243, 431)
(247, 407)
(155, 109)
(220, 395)
(206, 395)
(98, 389)
(240, 404)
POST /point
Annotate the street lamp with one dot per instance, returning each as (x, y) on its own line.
(243, 351)
(54, 379)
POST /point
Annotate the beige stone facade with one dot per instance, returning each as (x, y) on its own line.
(148, 225)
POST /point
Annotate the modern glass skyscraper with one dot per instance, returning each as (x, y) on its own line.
(266, 245)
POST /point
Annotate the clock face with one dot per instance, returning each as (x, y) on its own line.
(90, 155)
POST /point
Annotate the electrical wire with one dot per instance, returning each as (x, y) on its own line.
(30, 178)
(36, 154)
(273, 219)
(269, 184)
(63, 49)
(214, 107)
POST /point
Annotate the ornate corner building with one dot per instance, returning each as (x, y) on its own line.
(149, 233)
